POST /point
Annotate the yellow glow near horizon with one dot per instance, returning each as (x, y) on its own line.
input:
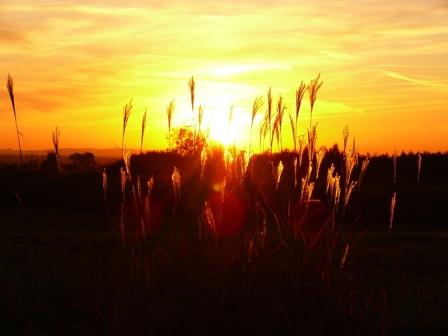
(76, 63)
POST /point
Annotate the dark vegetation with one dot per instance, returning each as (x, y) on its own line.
(64, 270)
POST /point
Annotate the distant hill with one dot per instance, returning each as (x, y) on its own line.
(99, 152)
(102, 156)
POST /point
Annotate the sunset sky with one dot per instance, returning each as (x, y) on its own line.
(75, 65)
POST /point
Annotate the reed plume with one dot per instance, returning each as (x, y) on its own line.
(169, 114)
(393, 201)
(279, 121)
(345, 135)
(143, 131)
(269, 114)
(104, 183)
(256, 106)
(419, 166)
(126, 114)
(55, 139)
(200, 117)
(10, 88)
(313, 88)
(191, 87)
(300, 92)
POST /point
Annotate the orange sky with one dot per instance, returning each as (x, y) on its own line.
(76, 63)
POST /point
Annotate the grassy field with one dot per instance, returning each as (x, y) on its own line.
(65, 273)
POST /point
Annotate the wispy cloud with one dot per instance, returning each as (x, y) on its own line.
(418, 81)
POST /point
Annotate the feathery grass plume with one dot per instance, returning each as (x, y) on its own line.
(278, 174)
(230, 119)
(419, 166)
(209, 218)
(345, 135)
(10, 88)
(104, 180)
(312, 137)
(330, 174)
(350, 163)
(313, 88)
(143, 131)
(200, 116)
(319, 157)
(393, 201)
(309, 191)
(177, 187)
(256, 106)
(348, 192)
(147, 200)
(394, 163)
(300, 92)
(204, 156)
(191, 87)
(344, 256)
(281, 108)
(295, 170)
(269, 115)
(126, 114)
(264, 129)
(364, 165)
(169, 114)
(293, 131)
(55, 137)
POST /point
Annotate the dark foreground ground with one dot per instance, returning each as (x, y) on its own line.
(64, 273)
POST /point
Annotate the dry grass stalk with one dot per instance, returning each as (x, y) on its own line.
(10, 88)
(419, 166)
(392, 210)
(143, 131)
(55, 137)
(169, 114)
(344, 256)
(177, 186)
(126, 114)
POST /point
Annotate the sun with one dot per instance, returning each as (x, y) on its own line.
(228, 127)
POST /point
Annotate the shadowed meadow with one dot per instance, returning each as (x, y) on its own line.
(211, 238)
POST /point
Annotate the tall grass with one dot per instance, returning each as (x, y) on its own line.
(10, 89)
(143, 128)
(169, 114)
(291, 209)
(56, 136)
(126, 114)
